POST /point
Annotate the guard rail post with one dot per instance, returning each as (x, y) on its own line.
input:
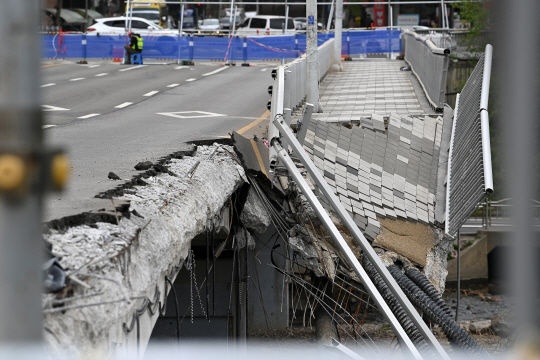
(83, 41)
(348, 44)
(245, 51)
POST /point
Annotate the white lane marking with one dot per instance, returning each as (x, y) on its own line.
(102, 74)
(151, 93)
(93, 66)
(52, 108)
(76, 79)
(216, 71)
(196, 114)
(173, 85)
(132, 68)
(87, 116)
(192, 79)
(121, 106)
(47, 85)
(181, 67)
(264, 69)
(47, 126)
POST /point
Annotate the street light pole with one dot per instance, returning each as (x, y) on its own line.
(312, 55)
(338, 36)
(21, 244)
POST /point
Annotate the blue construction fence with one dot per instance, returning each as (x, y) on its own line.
(215, 47)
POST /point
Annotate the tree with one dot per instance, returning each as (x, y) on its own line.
(479, 16)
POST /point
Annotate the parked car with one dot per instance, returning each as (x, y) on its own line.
(117, 25)
(162, 40)
(300, 23)
(266, 24)
(209, 25)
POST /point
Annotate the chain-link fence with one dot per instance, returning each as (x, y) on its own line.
(469, 165)
(430, 65)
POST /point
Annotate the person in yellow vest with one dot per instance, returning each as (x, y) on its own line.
(135, 46)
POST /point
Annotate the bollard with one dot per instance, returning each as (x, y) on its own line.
(83, 42)
(191, 50)
(245, 52)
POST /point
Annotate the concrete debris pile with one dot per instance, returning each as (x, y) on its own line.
(117, 269)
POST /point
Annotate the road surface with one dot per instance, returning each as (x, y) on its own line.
(109, 117)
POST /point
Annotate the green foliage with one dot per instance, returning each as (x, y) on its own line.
(478, 15)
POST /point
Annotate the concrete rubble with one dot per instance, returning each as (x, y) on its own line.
(113, 268)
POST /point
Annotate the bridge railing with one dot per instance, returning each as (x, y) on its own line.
(470, 175)
(289, 88)
(430, 65)
(488, 213)
(459, 42)
(294, 83)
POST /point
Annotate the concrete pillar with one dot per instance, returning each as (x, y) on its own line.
(338, 36)
(312, 55)
(267, 283)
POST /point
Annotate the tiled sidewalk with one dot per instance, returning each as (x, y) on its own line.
(376, 146)
(367, 87)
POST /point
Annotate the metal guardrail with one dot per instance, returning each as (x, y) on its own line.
(295, 90)
(498, 213)
(430, 65)
(470, 175)
(458, 41)
(289, 89)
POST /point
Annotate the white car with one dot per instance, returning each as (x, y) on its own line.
(209, 25)
(266, 25)
(160, 40)
(117, 25)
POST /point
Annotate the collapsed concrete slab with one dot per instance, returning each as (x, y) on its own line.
(117, 271)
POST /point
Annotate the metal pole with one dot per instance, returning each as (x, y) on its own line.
(518, 98)
(329, 23)
(231, 16)
(286, 16)
(458, 272)
(338, 28)
(181, 27)
(391, 15)
(442, 13)
(312, 78)
(345, 250)
(85, 15)
(20, 153)
(358, 236)
(484, 118)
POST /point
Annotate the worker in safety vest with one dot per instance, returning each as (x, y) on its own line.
(135, 46)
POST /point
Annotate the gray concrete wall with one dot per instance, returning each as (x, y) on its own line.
(274, 308)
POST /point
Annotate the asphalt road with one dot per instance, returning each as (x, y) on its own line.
(109, 117)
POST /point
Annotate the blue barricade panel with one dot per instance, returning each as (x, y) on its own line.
(215, 47)
(371, 42)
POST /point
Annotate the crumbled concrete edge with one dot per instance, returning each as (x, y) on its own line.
(135, 254)
(254, 215)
